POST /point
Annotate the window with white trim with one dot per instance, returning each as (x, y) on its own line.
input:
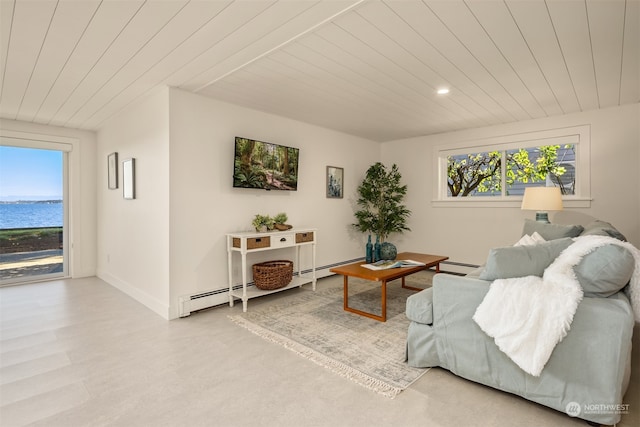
(499, 169)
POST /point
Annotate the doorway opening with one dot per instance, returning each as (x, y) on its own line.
(33, 214)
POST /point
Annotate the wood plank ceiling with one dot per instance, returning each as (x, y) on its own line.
(367, 68)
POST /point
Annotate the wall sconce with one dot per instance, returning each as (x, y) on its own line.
(541, 200)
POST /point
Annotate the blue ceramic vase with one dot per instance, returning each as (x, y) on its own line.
(388, 251)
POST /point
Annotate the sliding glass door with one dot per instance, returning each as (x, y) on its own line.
(32, 214)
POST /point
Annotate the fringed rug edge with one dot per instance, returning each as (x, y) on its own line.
(339, 368)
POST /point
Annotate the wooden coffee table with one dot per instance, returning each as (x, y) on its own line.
(384, 276)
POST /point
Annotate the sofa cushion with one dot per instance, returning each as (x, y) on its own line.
(601, 228)
(420, 307)
(521, 261)
(605, 271)
(551, 231)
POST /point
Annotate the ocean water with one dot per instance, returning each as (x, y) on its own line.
(31, 215)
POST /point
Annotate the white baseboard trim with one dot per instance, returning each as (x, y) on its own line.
(142, 297)
(219, 296)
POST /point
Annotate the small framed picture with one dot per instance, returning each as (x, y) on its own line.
(112, 171)
(129, 179)
(335, 182)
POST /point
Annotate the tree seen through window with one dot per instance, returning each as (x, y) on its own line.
(483, 174)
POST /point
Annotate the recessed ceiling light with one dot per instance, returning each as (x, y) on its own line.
(443, 91)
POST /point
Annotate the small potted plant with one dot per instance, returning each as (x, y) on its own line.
(280, 222)
(262, 223)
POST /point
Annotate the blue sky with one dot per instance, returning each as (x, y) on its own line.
(30, 174)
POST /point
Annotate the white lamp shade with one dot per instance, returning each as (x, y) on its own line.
(542, 199)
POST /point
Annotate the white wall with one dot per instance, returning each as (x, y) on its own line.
(205, 206)
(82, 182)
(133, 235)
(170, 241)
(466, 234)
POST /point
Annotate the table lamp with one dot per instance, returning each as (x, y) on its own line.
(541, 200)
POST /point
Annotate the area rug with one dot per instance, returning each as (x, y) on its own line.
(314, 325)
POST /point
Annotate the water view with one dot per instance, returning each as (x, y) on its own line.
(31, 239)
(31, 214)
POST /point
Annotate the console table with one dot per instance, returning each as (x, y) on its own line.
(249, 242)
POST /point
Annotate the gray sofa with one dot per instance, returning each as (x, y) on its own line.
(589, 370)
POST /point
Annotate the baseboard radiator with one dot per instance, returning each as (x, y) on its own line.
(188, 304)
(192, 303)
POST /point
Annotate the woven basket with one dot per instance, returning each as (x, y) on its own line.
(272, 274)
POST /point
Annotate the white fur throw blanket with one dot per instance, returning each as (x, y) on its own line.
(528, 316)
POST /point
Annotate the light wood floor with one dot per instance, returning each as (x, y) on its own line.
(80, 353)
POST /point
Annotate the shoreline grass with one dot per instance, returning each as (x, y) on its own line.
(28, 233)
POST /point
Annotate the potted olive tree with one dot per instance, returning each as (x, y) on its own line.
(381, 211)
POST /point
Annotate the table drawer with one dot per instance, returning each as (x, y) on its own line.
(283, 241)
(304, 237)
(254, 242)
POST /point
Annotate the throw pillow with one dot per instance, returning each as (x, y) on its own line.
(605, 271)
(521, 261)
(601, 228)
(527, 240)
(538, 238)
(551, 231)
